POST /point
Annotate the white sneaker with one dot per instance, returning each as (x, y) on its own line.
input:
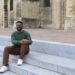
(20, 62)
(3, 69)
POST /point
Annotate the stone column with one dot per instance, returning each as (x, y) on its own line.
(1, 13)
(5, 20)
(15, 8)
(17, 11)
(8, 12)
(62, 13)
(56, 13)
(70, 15)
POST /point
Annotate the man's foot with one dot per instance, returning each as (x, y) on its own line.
(20, 62)
(3, 69)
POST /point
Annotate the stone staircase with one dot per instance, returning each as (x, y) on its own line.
(45, 58)
(7, 72)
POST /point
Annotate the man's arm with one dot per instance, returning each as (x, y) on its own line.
(28, 39)
(25, 41)
(14, 41)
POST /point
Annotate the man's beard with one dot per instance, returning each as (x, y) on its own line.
(19, 29)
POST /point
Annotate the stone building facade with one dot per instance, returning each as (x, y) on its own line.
(57, 14)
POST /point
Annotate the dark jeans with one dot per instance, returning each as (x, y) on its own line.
(15, 50)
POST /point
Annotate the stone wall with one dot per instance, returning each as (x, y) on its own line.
(1, 12)
(59, 15)
(30, 13)
(46, 14)
(35, 14)
(30, 9)
(70, 14)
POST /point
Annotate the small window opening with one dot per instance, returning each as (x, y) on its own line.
(11, 5)
(46, 3)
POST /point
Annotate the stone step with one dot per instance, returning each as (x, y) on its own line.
(9, 73)
(27, 69)
(54, 48)
(50, 62)
(51, 48)
(54, 63)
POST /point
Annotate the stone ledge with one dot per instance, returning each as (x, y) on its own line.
(48, 47)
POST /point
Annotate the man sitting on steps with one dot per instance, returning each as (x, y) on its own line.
(21, 40)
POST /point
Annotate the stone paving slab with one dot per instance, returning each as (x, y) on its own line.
(46, 34)
(8, 73)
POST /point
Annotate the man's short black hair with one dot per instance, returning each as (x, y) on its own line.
(20, 22)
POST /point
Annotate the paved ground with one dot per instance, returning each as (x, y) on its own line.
(46, 34)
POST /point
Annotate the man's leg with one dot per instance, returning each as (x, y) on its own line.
(8, 50)
(23, 51)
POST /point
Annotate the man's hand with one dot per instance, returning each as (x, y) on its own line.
(24, 41)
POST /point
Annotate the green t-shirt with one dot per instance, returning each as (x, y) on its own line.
(17, 36)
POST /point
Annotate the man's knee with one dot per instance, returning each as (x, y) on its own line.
(6, 49)
(25, 45)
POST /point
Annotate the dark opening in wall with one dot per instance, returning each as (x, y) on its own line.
(5, 8)
(46, 3)
(30, 0)
(11, 5)
(34, 0)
